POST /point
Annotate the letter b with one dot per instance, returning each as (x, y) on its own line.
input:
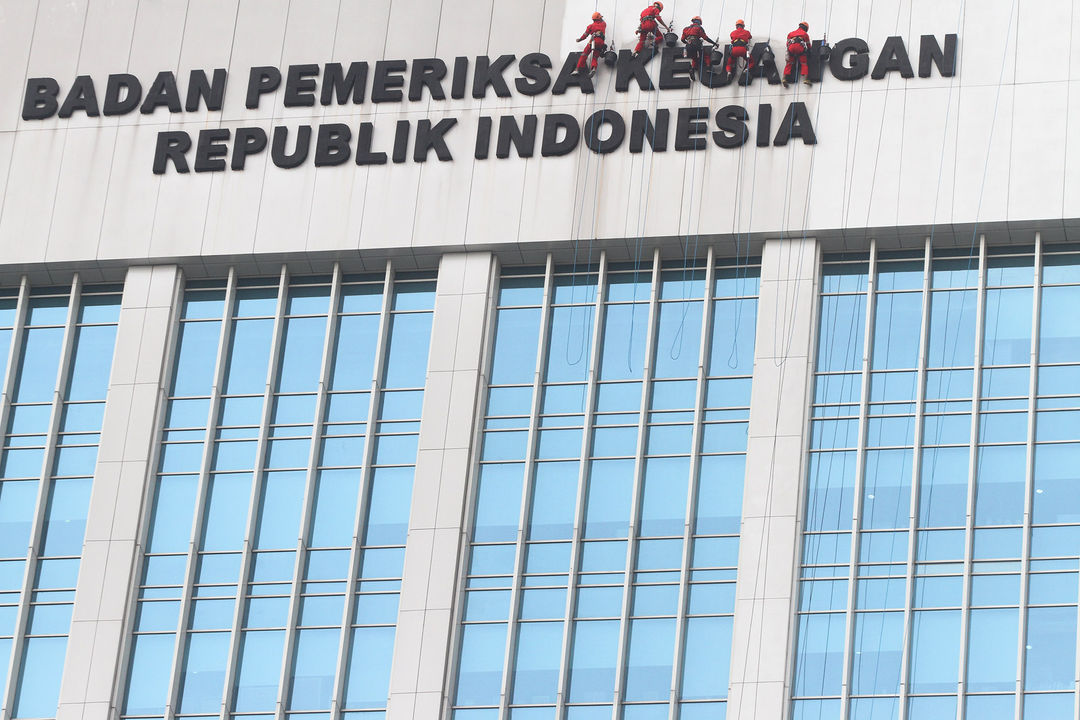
(40, 102)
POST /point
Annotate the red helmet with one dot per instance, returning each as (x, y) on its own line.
(659, 5)
(696, 19)
(740, 23)
(597, 16)
(804, 25)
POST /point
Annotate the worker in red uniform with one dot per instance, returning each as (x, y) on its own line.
(740, 46)
(596, 32)
(695, 37)
(649, 27)
(798, 48)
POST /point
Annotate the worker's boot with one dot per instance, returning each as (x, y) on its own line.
(806, 81)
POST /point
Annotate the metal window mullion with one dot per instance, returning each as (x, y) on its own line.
(18, 331)
(622, 655)
(916, 469)
(309, 494)
(858, 491)
(695, 479)
(543, 346)
(40, 508)
(202, 492)
(578, 531)
(337, 698)
(1029, 482)
(973, 465)
(258, 482)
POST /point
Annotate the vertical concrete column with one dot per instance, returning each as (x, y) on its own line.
(455, 380)
(765, 592)
(109, 569)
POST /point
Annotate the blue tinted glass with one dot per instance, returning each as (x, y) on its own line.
(554, 499)
(897, 328)
(831, 492)
(992, 650)
(887, 489)
(840, 344)
(536, 668)
(648, 666)
(335, 508)
(1051, 649)
(574, 288)
(1059, 334)
(174, 504)
(201, 304)
(38, 365)
(592, 661)
(607, 509)
(932, 708)
(999, 496)
(308, 300)
(257, 302)
(706, 666)
(635, 286)
(516, 338)
(90, 367)
(47, 311)
(663, 506)
(942, 502)
(934, 650)
(569, 344)
(498, 494)
(38, 691)
(819, 655)
(279, 513)
(678, 340)
(313, 669)
(407, 356)
(720, 489)
(354, 352)
(249, 356)
(991, 707)
(361, 298)
(203, 678)
(1007, 334)
(148, 682)
(952, 328)
(875, 708)
(260, 666)
(65, 521)
(733, 335)
(1056, 474)
(226, 511)
(480, 664)
(17, 501)
(830, 595)
(301, 356)
(623, 350)
(414, 295)
(388, 506)
(1053, 706)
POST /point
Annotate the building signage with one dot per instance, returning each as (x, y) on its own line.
(397, 81)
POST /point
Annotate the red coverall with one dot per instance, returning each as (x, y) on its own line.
(740, 47)
(798, 43)
(649, 28)
(596, 32)
(693, 37)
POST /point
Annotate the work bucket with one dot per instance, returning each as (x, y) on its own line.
(610, 57)
(670, 39)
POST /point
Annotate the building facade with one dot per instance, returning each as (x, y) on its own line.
(359, 361)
